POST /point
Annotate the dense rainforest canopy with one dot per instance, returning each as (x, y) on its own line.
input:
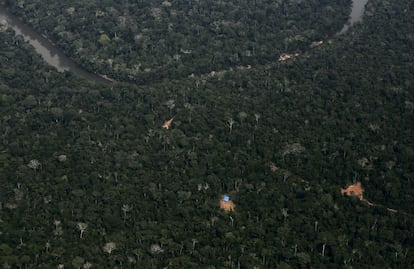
(148, 40)
(90, 179)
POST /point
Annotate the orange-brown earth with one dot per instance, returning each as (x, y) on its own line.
(354, 190)
(106, 77)
(285, 56)
(167, 124)
(358, 191)
(273, 167)
(227, 206)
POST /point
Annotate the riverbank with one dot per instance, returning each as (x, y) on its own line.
(133, 49)
(57, 58)
(49, 52)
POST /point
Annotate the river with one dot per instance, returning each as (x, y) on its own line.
(50, 54)
(357, 12)
(55, 57)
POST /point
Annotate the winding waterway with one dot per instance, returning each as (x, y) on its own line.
(56, 58)
(358, 7)
(50, 54)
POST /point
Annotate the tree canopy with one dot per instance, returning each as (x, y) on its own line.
(90, 179)
(150, 40)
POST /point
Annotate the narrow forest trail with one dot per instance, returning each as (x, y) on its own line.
(57, 58)
(357, 190)
(356, 15)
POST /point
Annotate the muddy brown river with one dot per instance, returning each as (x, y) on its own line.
(56, 58)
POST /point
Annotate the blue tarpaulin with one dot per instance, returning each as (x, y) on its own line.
(226, 198)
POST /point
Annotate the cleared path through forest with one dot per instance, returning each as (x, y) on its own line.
(56, 58)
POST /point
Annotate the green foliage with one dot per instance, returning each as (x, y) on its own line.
(147, 40)
(149, 196)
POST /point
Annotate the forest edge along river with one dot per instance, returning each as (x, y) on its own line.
(50, 54)
(56, 58)
(358, 8)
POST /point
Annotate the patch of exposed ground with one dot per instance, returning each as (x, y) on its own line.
(167, 124)
(354, 190)
(227, 205)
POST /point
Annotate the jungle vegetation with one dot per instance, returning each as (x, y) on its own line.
(90, 179)
(144, 41)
